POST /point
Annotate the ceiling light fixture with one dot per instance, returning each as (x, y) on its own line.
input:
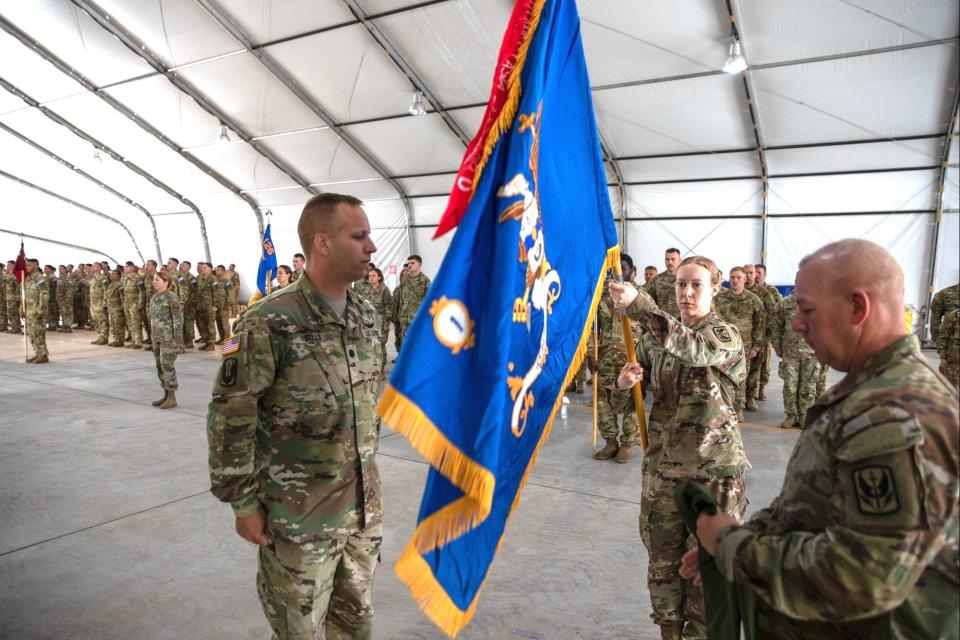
(96, 155)
(735, 61)
(416, 107)
(224, 136)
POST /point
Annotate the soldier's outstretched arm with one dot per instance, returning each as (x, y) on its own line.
(893, 516)
(243, 377)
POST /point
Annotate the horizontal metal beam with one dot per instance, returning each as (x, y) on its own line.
(74, 203)
(758, 216)
(781, 176)
(84, 174)
(87, 84)
(63, 244)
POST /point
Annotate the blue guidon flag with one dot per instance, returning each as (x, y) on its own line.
(504, 327)
(268, 262)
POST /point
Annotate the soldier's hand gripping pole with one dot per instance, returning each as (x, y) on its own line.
(637, 389)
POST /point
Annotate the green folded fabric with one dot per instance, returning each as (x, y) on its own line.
(729, 605)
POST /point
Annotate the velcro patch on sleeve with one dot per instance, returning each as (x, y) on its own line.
(232, 345)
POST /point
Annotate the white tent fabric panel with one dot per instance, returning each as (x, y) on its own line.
(321, 156)
(347, 72)
(948, 252)
(427, 211)
(857, 157)
(861, 192)
(716, 165)
(432, 251)
(411, 145)
(73, 36)
(276, 196)
(675, 117)
(469, 119)
(951, 189)
(786, 30)
(906, 236)
(728, 242)
(891, 94)
(31, 73)
(727, 198)
(429, 185)
(181, 238)
(49, 252)
(268, 20)
(242, 165)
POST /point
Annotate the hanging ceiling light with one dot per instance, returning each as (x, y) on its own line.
(224, 136)
(416, 107)
(735, 61)
(96, 155)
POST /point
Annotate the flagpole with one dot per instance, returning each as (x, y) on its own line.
(23, 312)
(595, 379)
(269, 278)
(637, 389)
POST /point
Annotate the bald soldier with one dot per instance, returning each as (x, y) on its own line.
(862, 540)
(293, 433)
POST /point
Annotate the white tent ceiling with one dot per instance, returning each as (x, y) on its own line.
(840, 127)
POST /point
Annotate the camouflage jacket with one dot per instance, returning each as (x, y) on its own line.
(203, 296)
(37, 291)
(114, 295)
(148, 290)
(11, 286)
(52, 282)
(381, 300)
(944, 301)
(131, 285)
(98, 290)
(768, 294)
(787, 342)
(166, 318)
(291, 426)
(3, 289)
(747, 313)
(664, 292)
(219, 288)
(611, 347)
(862, 540)
(233, 287)
(66, 287)
(694, 373)
(948, 340)
(409, 295)
(183, 288)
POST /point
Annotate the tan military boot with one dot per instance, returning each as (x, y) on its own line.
(609, 450)
(671, 631)
(101, 341)
(751, 405)
(624, 454)
(789, 422)
(208, 347)
(41, 359)
(116, 344)
(170, 401)
(740, 416)
(159, 402)
(761, 396)
(31, 358)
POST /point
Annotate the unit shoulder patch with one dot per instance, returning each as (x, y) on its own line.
(876, 490)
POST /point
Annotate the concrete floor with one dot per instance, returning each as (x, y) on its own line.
(108, 529)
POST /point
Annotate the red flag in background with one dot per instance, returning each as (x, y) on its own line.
(20, 268)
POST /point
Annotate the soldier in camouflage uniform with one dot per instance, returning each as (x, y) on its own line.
(233, 290)
(379, 296)
(166, 336)
(661, 288)
(11, 290)
(206, 322)
(221, 295)
(409, 296)
(944, 302)
(293, 435)
(770, 297)
(612, 353)
(98, 302)
(745, 311)
(115, 315)
(187, 289)
(694, 366)
(38, 297)
(132, 301)
(799, 368)
(81, 304)
(53, 309)
(948, 346)
(65, 293)
(298, 262)
(149, 270)
(3, 298)
(862, 540)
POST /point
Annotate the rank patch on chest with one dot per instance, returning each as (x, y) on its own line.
(876, 490)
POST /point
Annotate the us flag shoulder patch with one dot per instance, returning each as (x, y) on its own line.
(231, 345)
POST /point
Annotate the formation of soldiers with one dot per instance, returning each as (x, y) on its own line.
(115, 302)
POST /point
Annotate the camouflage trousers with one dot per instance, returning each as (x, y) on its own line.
(100, 321)
(951, 373)
(117, 326)
(322, 589)
(751, 386)
(397, 336)
(800, 378)
(37, 333)
(189, 317)
(65, 303)
(206, 325)
(223, 323)
(401, 333)
(607, 417)
(13, 313)
(3, 311)
(131, 315)
(673, 599)
(53, 313)
(165, 357)
(765, 359)
(81, 306)
(145, 322)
